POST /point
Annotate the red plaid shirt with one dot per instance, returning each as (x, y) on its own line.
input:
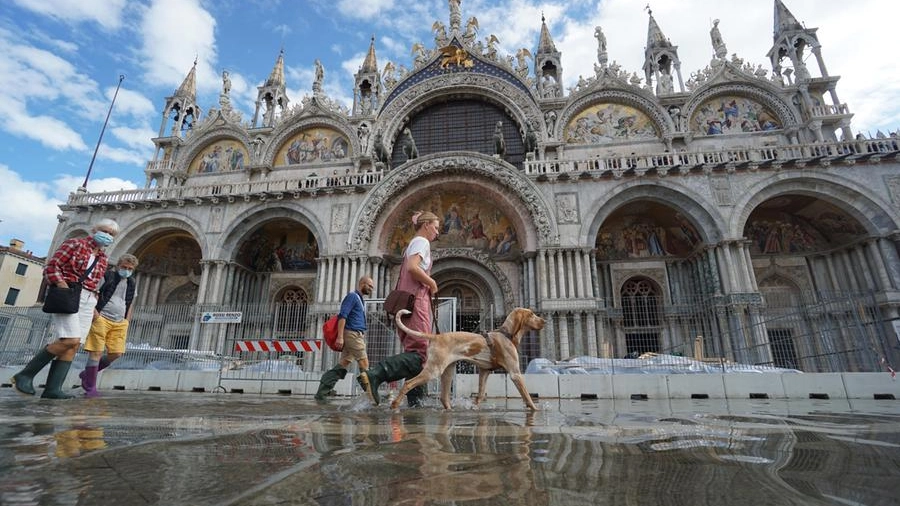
(70, 261)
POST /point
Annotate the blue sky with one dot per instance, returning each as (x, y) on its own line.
(60, 61)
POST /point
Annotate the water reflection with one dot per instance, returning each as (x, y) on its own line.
(203, 449)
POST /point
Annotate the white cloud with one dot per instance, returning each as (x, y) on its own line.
(364, 10)
(49, 131)
(29, 210)
(106, 13)
(133, 103)
(174, 33)
(139, 146)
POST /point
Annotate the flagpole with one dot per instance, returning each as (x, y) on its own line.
(99, 140)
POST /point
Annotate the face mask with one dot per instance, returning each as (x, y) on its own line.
(125, 272)
(103, 238)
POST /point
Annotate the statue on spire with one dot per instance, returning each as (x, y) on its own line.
(602, 57)
(320, 76)
(455, 16)
(717, 42)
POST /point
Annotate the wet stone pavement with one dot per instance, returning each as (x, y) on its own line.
(135, 448)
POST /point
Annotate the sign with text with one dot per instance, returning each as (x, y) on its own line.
(221, 317)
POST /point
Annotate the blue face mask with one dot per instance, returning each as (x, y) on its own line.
(103, 238)
(125, 272)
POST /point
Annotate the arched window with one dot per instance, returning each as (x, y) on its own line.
(291, 312)
(641, 316)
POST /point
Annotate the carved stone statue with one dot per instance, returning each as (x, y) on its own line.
(421, 56)
(320, 76)
(530, 141)
(665, 85)
(717, 42)
(499, 141)
(226, 83)
(471, 30)
(388, 75)
(522, 62)
(491, 51)
(362, 132)
(409, 145)
(675, 114)
(455, 15)
(440, 34)
(380, 152)
(550, 120)
(602, 57)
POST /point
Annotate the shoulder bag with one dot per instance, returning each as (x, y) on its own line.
(66, 300)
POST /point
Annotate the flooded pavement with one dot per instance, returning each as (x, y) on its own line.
(135, 448)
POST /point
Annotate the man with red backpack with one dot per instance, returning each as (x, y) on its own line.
(351, 337)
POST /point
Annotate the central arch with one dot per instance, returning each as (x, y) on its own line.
(512, 189)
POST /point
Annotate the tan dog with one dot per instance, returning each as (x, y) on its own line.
(499, 350)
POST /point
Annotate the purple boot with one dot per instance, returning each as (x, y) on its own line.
(89, 381)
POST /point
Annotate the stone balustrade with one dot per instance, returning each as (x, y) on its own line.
(684, 161)
(616, 166)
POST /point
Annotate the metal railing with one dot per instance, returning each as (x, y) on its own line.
(809, 332)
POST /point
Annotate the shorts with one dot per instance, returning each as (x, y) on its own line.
(354, 346)
(76, 325)
(107, 333)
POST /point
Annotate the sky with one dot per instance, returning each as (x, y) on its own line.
(60, 62)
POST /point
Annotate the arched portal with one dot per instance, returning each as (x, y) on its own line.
(169, 270)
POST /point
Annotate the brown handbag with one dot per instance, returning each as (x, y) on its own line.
(397, 300)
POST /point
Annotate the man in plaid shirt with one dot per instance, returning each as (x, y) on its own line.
(73, 259)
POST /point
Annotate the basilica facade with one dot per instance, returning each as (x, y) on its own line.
(619, 208)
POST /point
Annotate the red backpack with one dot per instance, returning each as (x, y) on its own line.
(330, 332)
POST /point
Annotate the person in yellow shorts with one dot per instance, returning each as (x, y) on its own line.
(110, 326)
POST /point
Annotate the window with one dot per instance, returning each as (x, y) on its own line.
(641, 316)
(11, 296)
(21, 268)
(783, 352)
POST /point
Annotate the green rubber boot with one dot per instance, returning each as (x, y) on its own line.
(55, 378)
(403, 366)
(329, 380)
(24, 378)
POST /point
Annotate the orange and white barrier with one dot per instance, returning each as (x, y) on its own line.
(279, 346)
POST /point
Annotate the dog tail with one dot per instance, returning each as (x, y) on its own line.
(397, 319)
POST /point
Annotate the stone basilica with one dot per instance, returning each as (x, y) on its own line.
(619, 208)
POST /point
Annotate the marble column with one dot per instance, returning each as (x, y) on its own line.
(548, 338)
(569, 269)
(552, 275)
(542, 274)
(580, 263)
(863, 267)
(564, 350)
(874, 253)
(592, 336)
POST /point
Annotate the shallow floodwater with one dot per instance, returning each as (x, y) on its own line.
(133, 448)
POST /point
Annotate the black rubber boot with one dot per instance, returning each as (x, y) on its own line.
(403, 366)
(23, 379)
(416, 396)
(329, 380)
(58, 372)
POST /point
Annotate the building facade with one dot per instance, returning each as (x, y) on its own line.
(21, 274)
(620, 208)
